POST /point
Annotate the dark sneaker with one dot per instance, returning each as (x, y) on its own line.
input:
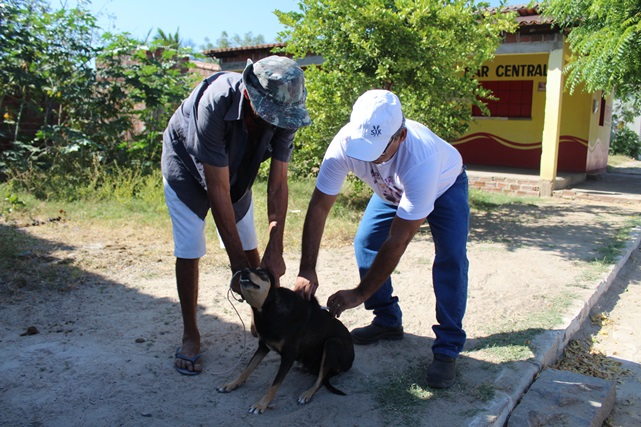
(442, 372)
(373, 333)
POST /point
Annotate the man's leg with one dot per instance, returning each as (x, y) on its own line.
(187, 283)
(449, 225)
(189, 246)
(372, 232)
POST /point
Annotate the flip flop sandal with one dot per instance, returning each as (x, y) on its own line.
(188, 359)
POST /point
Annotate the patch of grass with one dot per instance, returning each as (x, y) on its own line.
(507, 346)
(488, 201)
(12, 242)
(25, 264)
(506, 353)
(591, 272)
(615, 160)
(551, 310)
(120, 197)
(485, 392)
(399, 396)
(512, 340)
(609, 252)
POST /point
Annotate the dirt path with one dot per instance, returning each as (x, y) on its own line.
(107, 317)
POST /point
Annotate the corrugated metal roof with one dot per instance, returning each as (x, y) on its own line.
(233, 50)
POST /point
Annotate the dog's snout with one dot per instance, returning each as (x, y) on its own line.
(252, 277)
(246, 281)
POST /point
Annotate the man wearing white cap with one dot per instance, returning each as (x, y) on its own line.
(415, 176)
(212, 149)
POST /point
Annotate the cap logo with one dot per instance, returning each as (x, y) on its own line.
(376, 131)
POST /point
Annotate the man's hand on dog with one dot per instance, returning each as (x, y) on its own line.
(275, 264)
(344, 300)
(306, 285)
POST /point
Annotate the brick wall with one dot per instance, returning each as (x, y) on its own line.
(517, 186)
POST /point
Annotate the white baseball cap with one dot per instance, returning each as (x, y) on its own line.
(376, 116)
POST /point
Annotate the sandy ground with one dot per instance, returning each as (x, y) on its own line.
(106, 313)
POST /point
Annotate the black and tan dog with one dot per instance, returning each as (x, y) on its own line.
(298, 330)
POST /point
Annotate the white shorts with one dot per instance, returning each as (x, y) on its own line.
(189, 229)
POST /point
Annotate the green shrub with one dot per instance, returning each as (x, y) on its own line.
(626, 142)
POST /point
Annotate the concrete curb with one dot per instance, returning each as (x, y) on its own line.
(514, 382)
(565, 398)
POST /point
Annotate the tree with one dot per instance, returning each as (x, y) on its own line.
(624, 140)
(148, 84)
(169, 40)
(68, 100)
(605, 39)
(426, 51)
(225, 41)
(47, 75)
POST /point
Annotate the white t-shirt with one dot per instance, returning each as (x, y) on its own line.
(422, 169)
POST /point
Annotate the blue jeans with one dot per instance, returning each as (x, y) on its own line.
(449, 225)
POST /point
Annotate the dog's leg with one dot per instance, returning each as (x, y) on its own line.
(307, 395)
(260, 354)
(335, 360)
(286, 363)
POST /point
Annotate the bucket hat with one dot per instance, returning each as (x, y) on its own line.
(376, 116)
(276, 89)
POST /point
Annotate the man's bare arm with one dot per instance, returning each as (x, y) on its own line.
(277, 199)
(218, 192)
(315, 219)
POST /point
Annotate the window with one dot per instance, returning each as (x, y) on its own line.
(602, 112)
(514, 99)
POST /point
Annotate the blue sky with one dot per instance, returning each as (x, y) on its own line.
(195, 19)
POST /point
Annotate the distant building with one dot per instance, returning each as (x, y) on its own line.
(535, 124)
(235, 58)
(205, 69)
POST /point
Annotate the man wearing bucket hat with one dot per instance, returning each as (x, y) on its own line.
(212, 149)
(416, 176)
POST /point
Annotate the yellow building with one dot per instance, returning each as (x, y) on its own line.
(535, 124)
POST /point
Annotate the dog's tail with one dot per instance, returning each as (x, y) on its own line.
(331, 388)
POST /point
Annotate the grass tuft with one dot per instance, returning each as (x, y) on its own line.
(400, 395)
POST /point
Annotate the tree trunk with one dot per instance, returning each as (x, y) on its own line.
(19, 116)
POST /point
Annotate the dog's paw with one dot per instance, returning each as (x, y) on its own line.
(226, 388)
(257, 409)
(261, 406)
(305, 397)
